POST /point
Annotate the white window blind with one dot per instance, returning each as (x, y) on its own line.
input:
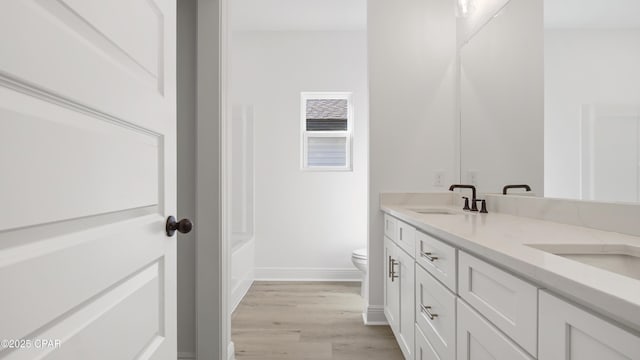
(326, 151)
(326, 131)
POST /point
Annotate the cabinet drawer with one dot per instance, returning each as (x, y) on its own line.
(437, 258)
(568, 332)
(510, 303)
(436, 314)
(424, 350)
(478, 339)
(389, 226)
(405, 237)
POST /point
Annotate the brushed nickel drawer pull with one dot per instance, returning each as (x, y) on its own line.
(429, 256)
(427, 309)
(393, 269)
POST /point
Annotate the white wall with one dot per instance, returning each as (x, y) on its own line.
(186, 82)
(501, 94)
(480, 12)
(582, 67)
(412, 82)
(212, 253)
(307, 223)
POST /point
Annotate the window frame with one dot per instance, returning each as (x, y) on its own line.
(305, 135)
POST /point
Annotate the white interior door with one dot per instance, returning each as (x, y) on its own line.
(87, 162)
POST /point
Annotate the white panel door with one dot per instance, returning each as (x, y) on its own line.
(87, 111)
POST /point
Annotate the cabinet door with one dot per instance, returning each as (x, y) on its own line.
(391, 285)
(570, 333)
(478, 339)
(406, 281)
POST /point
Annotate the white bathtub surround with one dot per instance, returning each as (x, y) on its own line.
(242, 203)
(505, 240)
(242, 271)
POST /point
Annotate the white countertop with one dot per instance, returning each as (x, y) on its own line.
(502, 239)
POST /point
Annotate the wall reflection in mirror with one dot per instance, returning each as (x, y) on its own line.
(550, 96)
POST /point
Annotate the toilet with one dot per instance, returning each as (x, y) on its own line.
(360, 261)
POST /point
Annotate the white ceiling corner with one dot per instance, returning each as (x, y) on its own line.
(298, 15)
(595, 14)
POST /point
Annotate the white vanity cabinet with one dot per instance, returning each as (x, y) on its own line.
(444, 303)
(568, 332)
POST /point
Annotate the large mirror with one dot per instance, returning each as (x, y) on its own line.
(550, 96)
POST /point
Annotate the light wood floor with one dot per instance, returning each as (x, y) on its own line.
(307, 321)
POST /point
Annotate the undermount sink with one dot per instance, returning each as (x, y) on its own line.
(620, 259)
(434, 211)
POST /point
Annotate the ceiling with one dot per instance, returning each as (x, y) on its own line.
(298, 15)
(597, 14)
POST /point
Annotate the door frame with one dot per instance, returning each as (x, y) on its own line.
(213, 256)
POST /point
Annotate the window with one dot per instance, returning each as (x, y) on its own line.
(327, 123)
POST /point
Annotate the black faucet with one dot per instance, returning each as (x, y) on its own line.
(474, 207)
(507, 187)
(483, 208)
(466, 203)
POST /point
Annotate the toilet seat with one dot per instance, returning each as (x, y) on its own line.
(360, 254)
(360, 260)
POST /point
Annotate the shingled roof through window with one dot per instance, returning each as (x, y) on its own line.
(320, 109)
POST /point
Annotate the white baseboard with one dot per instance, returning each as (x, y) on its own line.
(186, 355)
(374, 315)
(231, 351)
(307, 274)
